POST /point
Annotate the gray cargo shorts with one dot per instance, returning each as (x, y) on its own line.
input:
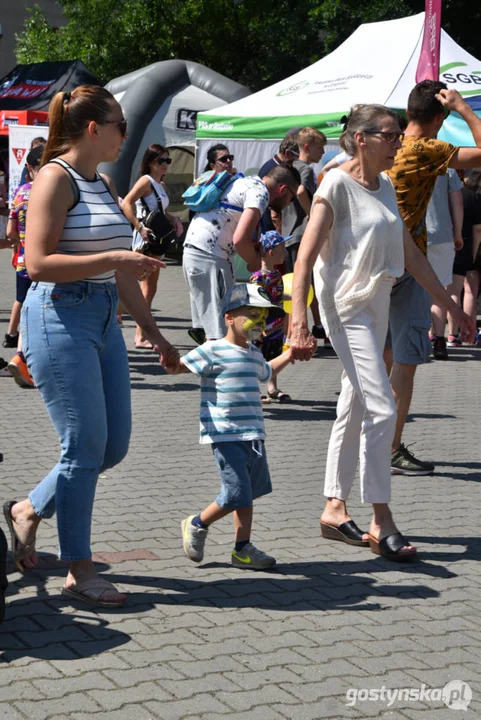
(409, 322)
(209, 279)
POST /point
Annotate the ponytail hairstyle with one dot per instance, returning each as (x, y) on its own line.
(69, 114)
(362, 117)
(153, 153)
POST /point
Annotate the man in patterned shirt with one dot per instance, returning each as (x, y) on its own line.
(214, 237)
(417, 165)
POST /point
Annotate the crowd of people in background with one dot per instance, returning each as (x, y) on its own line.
(390, 239)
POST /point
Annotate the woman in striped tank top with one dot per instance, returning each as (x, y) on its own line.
(77, 254)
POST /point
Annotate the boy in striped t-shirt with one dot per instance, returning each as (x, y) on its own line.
(231, 420)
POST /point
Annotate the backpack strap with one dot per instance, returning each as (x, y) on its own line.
(229, 183)
(160, 207)
(231, 207)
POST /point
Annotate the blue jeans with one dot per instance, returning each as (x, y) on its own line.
(77, 356)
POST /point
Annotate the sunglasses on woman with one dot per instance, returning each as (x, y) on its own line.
(225, 159)
(390, 137)
(121, 123)
(164, 161)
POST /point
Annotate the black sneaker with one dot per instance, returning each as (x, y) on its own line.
(439, 349)
(11, 341)
(197, 335)
(403, 462)
(4, 371)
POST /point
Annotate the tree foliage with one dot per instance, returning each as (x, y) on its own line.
(256, 42)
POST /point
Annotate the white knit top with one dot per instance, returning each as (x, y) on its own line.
(364, 245)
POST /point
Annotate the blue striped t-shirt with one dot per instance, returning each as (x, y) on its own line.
(230, 400)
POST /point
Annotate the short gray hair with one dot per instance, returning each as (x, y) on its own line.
(363, 117)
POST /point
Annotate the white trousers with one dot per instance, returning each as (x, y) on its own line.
(366, 412)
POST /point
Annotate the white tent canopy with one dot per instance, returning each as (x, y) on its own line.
(376, 64)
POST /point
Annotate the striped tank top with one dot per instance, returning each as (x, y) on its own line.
(94, 224)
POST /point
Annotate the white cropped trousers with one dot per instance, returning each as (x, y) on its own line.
(366, 412)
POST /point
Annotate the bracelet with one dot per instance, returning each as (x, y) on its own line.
(140, 226)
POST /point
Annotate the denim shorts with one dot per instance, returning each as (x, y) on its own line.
(244, 472)
(23, 286)
(409, 322)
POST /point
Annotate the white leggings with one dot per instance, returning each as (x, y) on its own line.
(366, 412)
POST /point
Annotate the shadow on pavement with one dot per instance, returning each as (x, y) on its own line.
(38, 628)
(472, 547)
(139, 385)
(286, 411)
(412, 417)
(318, 589)
(329, 585)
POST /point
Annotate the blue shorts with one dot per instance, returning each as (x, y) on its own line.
(244, 472)
(23, 286)
(409, 322)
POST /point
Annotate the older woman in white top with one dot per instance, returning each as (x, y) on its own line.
(150, 185)
(357, 244)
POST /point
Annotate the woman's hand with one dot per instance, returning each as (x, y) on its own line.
(136, 264)
(178, 227)
(145, 233)
(168, 356)
(303, 344)
(467, 328)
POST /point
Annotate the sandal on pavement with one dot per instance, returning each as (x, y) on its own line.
(143, 345)
(265, 400)
(3, 573)
(18, 549)
(390, 546)
(279, 396)
(348, 533)
(90, 591)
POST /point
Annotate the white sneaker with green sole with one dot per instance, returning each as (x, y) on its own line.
(193, 539)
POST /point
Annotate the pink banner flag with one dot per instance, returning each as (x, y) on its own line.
(428, 65)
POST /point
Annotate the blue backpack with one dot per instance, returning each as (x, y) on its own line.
(207, 190)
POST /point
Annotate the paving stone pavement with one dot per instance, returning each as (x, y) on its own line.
(213, 642)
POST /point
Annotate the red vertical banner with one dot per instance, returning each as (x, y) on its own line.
(428, 65)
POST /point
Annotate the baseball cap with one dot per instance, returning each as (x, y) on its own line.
(270, 239)
(247, 295)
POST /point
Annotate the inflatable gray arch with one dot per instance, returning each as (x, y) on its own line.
(146, 89)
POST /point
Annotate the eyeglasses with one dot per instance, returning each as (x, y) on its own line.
(164, 161)
(390, 137)
(225, 159)
(121, 123)
(293, 194)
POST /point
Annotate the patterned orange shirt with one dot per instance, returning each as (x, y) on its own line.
(417, 165)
